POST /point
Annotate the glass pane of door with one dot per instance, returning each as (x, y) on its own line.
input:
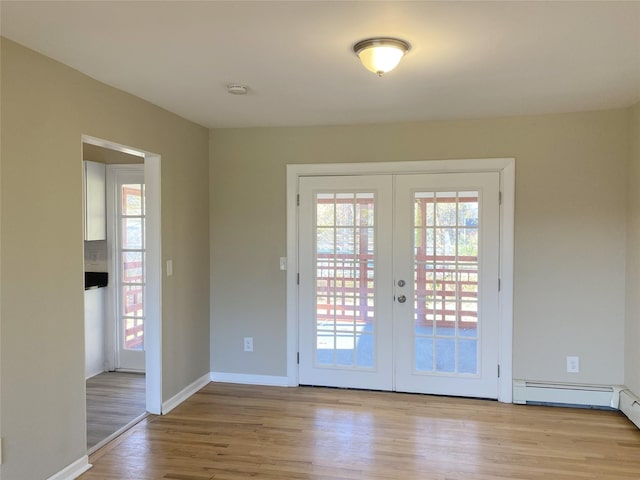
(127, 199)
(345, 279)
(132, 266)
(445, 259)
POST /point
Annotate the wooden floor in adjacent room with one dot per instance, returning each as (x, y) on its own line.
(114, 400)
(248, 432)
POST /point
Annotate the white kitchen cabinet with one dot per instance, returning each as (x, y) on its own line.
(95, 204)
(94, 318)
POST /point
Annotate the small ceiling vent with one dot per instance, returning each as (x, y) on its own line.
(237, 89)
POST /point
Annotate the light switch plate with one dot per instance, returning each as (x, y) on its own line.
(169, 268)
(283, 263)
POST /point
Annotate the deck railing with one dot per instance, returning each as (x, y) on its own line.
(345, 287)
(132, 305)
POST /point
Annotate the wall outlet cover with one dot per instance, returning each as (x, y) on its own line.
(573, 364)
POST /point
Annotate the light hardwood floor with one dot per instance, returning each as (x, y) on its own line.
(113, 401)
(246, 432)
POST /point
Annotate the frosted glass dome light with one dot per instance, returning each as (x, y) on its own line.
(381, 55)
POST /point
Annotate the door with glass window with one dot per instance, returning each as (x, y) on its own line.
(346, 302)
(399, 282)
(130, 269)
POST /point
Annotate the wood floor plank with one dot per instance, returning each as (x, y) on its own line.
(113, 400)
(231, 432)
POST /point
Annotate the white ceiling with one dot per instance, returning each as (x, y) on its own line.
(469, 59)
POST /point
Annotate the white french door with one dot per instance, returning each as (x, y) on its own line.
(128, 266)
(346, 296)
(446, 255)
(399, 282)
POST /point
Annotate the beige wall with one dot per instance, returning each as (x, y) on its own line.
(632, 336)
(569, 247)
(46, 107)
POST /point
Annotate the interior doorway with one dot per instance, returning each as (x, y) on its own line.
(133, 231)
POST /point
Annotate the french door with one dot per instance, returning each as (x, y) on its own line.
(129, 272)
(399, 282)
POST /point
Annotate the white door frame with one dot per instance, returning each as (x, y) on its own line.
(153, 290)
(504, 166)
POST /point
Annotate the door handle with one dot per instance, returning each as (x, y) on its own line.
(402, 299)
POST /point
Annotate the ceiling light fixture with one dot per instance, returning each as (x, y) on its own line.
(381, 54)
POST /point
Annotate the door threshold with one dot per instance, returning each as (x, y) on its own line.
(129, 370)
(117, 433)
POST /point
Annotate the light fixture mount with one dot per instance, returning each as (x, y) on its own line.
(381, 54)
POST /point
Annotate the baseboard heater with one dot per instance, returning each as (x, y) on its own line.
(599, 396)
(630, 406)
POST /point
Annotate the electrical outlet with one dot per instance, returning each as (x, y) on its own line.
(573, 364)
(248, 344)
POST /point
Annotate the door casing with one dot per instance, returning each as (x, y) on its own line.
(504, 166)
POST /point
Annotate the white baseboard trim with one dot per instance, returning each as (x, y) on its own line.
(94, 374)
(630, 406)
(74, 470)
(185, 393)
(525, 391)
(268, 380)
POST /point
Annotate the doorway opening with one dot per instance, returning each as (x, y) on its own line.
(122, 333)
